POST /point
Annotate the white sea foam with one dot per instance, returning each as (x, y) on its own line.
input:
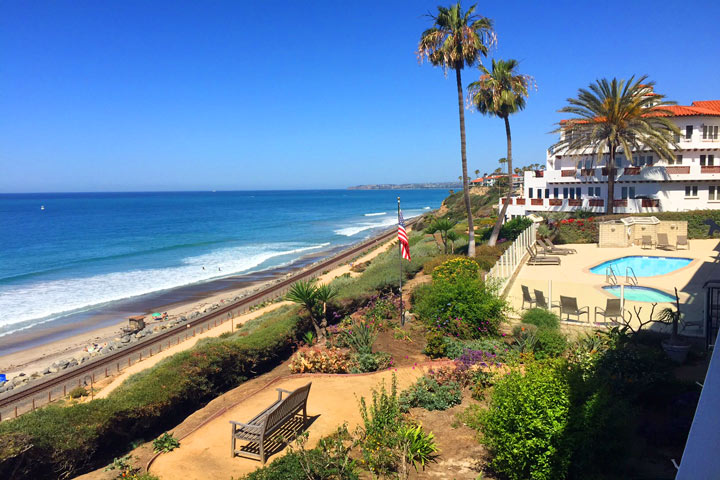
(42, 300)
(426, 208)
(375, 214)
(356, 228)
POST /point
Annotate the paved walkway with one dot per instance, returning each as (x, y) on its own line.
(573, 278)
(205, 453)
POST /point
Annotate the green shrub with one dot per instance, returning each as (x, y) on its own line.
(360, 336)
(287, 467)
(466, 307)
(165, 443)
(456, 270)
(78, 392)
(435, 346)
(381, 420)
(433, 262)
(541, 318)
(455, 347)
(525, 425)
(370, 362)
(420, 446)
(510, 229)
(549, 343)
(427, 393)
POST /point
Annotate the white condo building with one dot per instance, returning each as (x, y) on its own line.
(644, 183)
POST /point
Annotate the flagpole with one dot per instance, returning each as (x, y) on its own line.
(402, 312)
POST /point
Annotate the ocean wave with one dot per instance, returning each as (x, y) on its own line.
(375, 214)
(32, 303)
(354, 229)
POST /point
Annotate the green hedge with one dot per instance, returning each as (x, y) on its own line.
(56, 441)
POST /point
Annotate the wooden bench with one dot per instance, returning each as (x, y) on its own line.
(260, 428)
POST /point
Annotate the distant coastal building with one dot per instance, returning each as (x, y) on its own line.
(489, 180)
(691, 181)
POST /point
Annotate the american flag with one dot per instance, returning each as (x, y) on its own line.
(403, 238)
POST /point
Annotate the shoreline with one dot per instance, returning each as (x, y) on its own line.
(36, 350)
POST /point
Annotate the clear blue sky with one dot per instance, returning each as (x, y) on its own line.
(175, 95)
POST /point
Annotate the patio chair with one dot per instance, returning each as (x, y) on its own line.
(527, 297)
(682, 241)
(663, 242)
(613, 310)
(544, 260)
(646, 242)
(547, 249)
(569, 306)
(552, 245)
(542, 302)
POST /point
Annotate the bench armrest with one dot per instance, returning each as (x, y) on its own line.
(282, 390)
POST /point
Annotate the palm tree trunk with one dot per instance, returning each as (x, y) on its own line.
(611, 181)
(501, 215)
(463, 153)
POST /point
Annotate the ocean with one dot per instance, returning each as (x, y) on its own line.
(67, 253)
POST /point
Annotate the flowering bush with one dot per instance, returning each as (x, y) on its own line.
(572, 230)
(320, 360)
(455, 269)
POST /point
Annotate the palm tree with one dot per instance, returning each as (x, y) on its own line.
(458, 39)
(452, 236)
(477, 173)
(500, 93)
(310, 296)
(444, 226)
(617, 116)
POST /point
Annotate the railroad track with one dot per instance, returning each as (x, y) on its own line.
(27, 395)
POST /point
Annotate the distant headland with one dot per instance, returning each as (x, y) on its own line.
(406, 186)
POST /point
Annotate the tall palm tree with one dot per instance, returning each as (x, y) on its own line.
(458, 39)
(477, 173)
(500, 93)
(617, 116)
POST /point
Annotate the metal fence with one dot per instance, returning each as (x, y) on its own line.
(508, 263)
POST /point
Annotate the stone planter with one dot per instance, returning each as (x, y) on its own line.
(677, 353)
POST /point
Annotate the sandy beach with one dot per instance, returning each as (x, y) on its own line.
(40, 356)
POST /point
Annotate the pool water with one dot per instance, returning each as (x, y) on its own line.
(642, 266)
(641, 294)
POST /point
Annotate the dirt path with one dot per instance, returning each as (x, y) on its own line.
(333, 399)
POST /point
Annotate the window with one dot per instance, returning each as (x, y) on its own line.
(628, 192)
(530, 193)
(691, 191)
(713, 193)
(539, 192)
(688, 132)
(624, 193)
(572, 193)
(710, 132)
(649, 160)
(555, 192)
(677, 161)
(565, 192)
(578, 192)
(707, 160)
(547, 193)
(596, 192)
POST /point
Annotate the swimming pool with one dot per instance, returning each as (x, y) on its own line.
(641, 294)
(642, 266)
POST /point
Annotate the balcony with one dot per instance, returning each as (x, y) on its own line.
(575, 202)
(674, 170)
(587, 172)
(650, 203)
(539, 173)
(507, 201)
(709, 169)
(631, 171)
(536, 201)
(519, 201)
(568, 173)
(620, 202)
(555, 202)
(596, 202)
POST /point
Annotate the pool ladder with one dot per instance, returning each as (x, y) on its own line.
(611, 278)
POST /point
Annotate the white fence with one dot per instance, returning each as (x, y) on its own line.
(511, 259)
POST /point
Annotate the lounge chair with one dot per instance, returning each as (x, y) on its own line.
(552, 245)
(663, 242)
(549, 249)
(569, 306)
(682, 241)
(612, 310)
(541, 301)
(544, 260)
(527, 297)
(646, 242)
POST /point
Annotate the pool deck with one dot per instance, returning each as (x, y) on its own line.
(573, 278)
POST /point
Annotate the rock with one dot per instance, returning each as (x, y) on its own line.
(74, 363)
(36, 375)
(125, 339)
(46, 371)
(54, 369)
(184, 318)
(21, 374)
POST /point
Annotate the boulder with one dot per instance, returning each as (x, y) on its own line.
(125, 338)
